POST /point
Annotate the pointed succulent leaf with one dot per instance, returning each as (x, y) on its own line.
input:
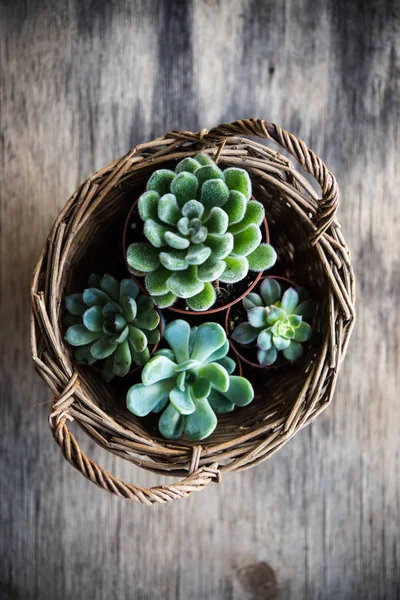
(83, 356)
(209, 172)
(204, 299)
(246, 241)
(142, 257)
(75, 305)
(211, 269)
(217, 220)
(204, 159)
(255, 214)
(160, 181)
(139, 358)
(152, 335)
(177, 334)
(252, 300)
(102, 348)
(219, 403)
(158, 368)
(197, 254)
(144, 302)
(149, 319)
(142, 399)
(228, 363)
(258, 316)
(303, 332)
(184, 187)
(236, 269)
(187, 164)
(275, 315)
(214, 192)
(193, 209)
(129, 288)
(174, 260)
(137, 338)
(264, 340)
(244, 333)
(122, 359)
(270, 291)
(209, 337)
(235, 207)
(218, 353)
(263, 257)
(155, 233)
(293, 351)
(200, 424)
(279, 342)
(266, 358)
(185, 284)
(129, 308)
(120, 337)
(221, 245)
(156, 282)
(240, 390)
(182, 401)
(147, 205)
(95, 297)
(166, 300)
(110, 309)
(216, 375)
(168, 210)
(239, 180)
(295, 320)
(110, 286)
(305, 309)
(79, 335)
(107, 370)
(289, 300)
(176, 241)
(93, 318)
(171, 423)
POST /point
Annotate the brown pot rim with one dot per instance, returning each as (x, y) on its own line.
(183, 311)
(231, 343)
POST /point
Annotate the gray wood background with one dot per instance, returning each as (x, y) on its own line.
(82, 82)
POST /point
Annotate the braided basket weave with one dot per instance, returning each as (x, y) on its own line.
(312, 252)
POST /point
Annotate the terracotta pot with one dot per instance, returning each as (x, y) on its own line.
(183, 311)
(228, 333)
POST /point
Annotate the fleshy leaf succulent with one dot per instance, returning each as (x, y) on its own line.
(112, 322)
(276, 322)
(201, 226)
(189, 382)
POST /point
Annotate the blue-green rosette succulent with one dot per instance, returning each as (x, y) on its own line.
(113, 323)
(276, 322)
(201, 226)
(189, 382)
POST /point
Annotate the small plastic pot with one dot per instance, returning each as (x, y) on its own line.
(239, 355)
(184, 311)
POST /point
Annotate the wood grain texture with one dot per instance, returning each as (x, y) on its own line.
(82, 82)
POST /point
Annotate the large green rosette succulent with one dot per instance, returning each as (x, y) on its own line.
(189, 382)
(201, 226)
(113, 323)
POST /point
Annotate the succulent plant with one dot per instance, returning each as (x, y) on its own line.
(189, 382)
(201, 227)
(111, 321)
(275, 322)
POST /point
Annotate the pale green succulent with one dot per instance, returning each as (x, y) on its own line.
(275, 322)
(111, 322)
(201, 226)
(189, 382)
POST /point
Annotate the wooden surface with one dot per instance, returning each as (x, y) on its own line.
(82, 82)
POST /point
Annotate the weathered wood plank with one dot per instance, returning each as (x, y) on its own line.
(81, 82)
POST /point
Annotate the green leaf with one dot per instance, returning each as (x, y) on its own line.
(144, 302)
(263, 257)
(303, 332)
(305, 309)
(236, 269)
(161, 405)
(95, 297)
(93, 318)
(174, 260)
(78, 335)
(110, 286)
(110, 309)
(266, 358)
(103, 348)
(168, 210)
(165, 352)
(204, 159)
(107, 371)
(140, 358)
(203, 300)
(270, 291)
(240, 390)
(120, 337)
(142, 399)
(293, 351)
(221, 245)
(235, 208)
(294, 320)
(142, 257)
(289, 300)
(155, 233)
(158, 368)
(183, 226)
(137, 338)
(156, 282)
(214, 193)
(209, 172)
(200, 235)
(149, 319)
(171, 423)
(147, 205)
(279, 342)
(239, 180)
(177, 334)
(182, 401)
(129, 308)
(218, 353)
(193, 209)
(264, 340)
(209, 337)
(216, 375)
(187, 164)
(128, 288)
(244, 333)
(252, 300)
(83, 356)
(122, 360)
(152, 335)
(258, 316)
(197, 254)
(255, 214)
(200, 389)
(160, 181)
(187, 365)
(219, 403)
(275, 315)
(211, 269)
(185, 284)
(228, 363)
(217, 220)
(181, 381)
(184, 187)
(246, 241)
(200, 424)
(166, 300)
(176, 241)
(75, 305)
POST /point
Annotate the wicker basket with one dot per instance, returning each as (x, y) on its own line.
(312, 252)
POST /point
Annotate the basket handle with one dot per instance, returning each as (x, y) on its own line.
(310, 162)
